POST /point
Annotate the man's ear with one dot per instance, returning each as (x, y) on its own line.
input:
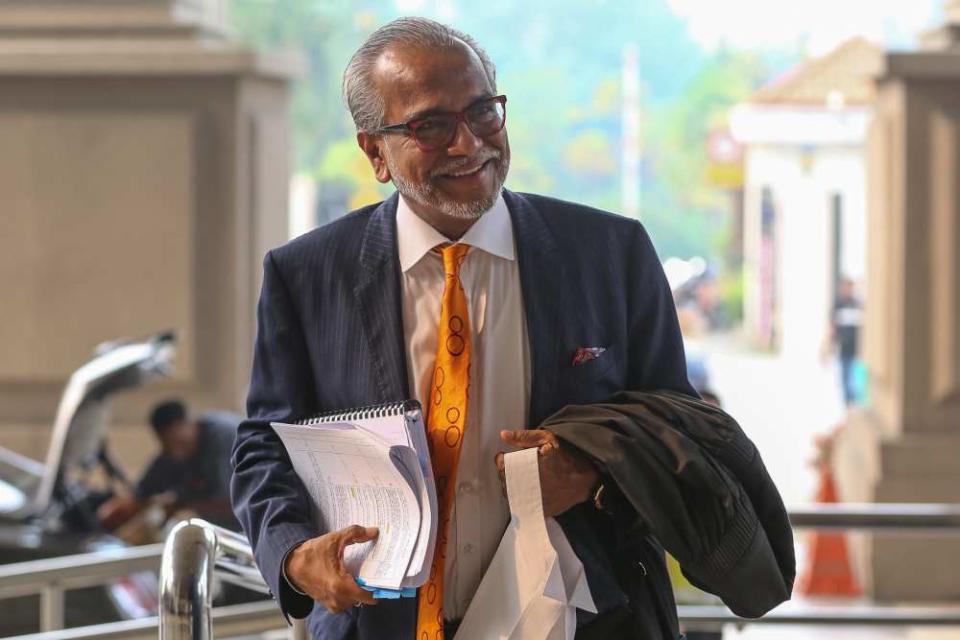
(372, 146)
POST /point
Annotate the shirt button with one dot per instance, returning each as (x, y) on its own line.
(466, 487)
(468, 548)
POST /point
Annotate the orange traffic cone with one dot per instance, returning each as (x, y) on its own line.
(828, 571)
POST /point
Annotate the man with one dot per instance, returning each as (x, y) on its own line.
(845, 323)
(452, 284)
(192, 472)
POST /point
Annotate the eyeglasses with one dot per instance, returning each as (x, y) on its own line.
(436, 131)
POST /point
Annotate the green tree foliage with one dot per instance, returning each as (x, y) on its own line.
(325, 32)
(686, 214)
(559, 61)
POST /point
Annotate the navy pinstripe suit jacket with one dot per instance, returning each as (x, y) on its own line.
(330, 337)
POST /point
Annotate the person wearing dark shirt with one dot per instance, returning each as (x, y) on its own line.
(845, 332)
(192, 472)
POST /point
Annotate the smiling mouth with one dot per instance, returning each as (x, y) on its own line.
(469, 172)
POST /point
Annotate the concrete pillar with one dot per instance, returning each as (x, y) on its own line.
(905, 446)
(144, 162)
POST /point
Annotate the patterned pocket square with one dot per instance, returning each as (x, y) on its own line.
(586, 354)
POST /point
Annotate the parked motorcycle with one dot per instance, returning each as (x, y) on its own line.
(48, 508)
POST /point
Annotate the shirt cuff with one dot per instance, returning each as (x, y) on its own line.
(283, 571)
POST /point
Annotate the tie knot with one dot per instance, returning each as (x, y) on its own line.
(453, 255)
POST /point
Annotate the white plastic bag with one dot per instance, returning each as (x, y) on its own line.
(535, 583)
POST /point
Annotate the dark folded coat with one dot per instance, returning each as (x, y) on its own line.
(688, 474)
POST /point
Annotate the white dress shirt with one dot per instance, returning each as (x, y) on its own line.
(499, 376)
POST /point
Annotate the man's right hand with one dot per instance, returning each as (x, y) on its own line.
(316, 568)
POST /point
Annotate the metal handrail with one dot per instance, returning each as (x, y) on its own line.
(230, 620)
(52, 577)
(233, 562)
(711, 617)
(893, 518)
(193, 551)
(887, 517)
(73, 572)
(189, 616)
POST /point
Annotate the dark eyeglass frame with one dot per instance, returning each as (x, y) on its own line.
(410, 127)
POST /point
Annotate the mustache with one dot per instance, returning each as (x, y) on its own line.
(460, 164)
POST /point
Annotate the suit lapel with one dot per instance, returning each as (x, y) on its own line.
(379, 299)
(541, 267)
(544, 298)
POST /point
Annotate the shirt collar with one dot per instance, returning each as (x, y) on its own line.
(492, 232)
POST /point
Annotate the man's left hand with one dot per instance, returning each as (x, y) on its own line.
(567, 477)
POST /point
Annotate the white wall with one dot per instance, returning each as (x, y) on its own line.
(802, 181)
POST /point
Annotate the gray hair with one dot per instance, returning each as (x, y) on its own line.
(359, 92)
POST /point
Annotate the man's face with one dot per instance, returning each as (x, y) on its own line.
(181, 440)
(462, 180)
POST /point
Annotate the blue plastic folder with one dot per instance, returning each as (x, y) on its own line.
(388, 594)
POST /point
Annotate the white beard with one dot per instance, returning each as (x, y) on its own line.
(426, 195)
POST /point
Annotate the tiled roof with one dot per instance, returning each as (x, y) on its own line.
(845, 74)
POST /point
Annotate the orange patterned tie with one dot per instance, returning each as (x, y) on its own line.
(445, 424)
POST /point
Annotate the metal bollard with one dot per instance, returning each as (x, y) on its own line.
(299, 630)
(186, 575)
(194, 552)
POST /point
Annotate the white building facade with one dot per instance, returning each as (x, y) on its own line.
(805, 202)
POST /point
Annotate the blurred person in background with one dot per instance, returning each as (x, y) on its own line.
(700, 305)
(191, 475)
(846, 320)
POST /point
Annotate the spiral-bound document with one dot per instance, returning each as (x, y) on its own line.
(371, 467)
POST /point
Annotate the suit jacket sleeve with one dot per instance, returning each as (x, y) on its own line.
(656, 355)
(268, 497)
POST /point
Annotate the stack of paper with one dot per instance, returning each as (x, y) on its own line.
(374, 472)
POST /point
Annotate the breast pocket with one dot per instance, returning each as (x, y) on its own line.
(594, 380)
